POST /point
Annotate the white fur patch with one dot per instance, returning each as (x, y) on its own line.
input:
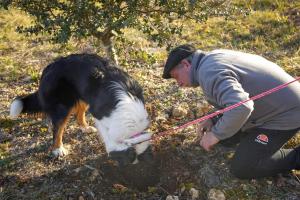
(16, 108)
(88, 129)
(137, 139)
(126, 120)
(140, 148)
(59, 152)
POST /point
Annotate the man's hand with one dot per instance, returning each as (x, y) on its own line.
(203, 127)
(208, 140)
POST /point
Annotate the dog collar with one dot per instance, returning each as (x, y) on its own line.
(137, 139)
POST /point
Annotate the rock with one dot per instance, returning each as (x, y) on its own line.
(161, 118)
(194, 193)
(77, 170)
(293, 182)
(27, 79)
(120, 188)
(202, 109)
(91, 194)
(182, 189)
(170, 197)
(94, 175)
(291, 197)
(180, 111)
(81, 198)
(208, 176)
(215, 194)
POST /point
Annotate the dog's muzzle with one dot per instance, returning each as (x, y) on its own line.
(139, 150)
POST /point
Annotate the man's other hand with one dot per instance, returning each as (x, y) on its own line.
(208, 140)
(203, 127)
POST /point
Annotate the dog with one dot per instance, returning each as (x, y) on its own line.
(81, 82)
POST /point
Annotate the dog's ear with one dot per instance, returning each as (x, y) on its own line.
(125, 157)
(147, 155)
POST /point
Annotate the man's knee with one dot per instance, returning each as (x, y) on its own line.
(247, 170)
(241, 171)
(244, 168)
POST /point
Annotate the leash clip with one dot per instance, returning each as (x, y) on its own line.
(137, 139)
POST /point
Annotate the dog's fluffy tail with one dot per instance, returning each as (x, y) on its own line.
(29, 104)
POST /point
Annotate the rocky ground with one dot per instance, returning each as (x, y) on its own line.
(180, 170)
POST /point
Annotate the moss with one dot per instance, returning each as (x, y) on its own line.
(7, 123)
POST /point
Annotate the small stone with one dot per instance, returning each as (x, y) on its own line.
(194, 193)
(80, 198)
(209, 177)
(202, 109)
(253, 181)
(94, 175)
(27, 79)
(293, 182)
(186, 173)
(161, 118)
(269, 182)
(180, 111)
(77, 170)
(215, 194)
(182, 189)
(244, 186)
(170, 197)
(91, 194)
(120, 187)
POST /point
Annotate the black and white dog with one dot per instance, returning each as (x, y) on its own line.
(79, 82)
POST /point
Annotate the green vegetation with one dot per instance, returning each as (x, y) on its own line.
(105, 20)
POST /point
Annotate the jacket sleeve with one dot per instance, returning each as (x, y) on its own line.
(222, 86)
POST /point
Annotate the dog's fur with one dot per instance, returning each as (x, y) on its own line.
(79, 82)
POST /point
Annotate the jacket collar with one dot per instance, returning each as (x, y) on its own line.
(197, 57)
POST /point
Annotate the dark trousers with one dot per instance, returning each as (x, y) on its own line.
(260, 153)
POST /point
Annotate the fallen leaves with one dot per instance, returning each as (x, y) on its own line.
(119, 188)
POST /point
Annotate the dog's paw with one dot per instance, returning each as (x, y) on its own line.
(59, 152)
(88, 129)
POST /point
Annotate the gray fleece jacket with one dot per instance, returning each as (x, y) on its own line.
(228, 77)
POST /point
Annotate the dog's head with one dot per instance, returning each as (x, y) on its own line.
(124, 135)
(123, 131)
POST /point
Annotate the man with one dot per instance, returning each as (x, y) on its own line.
(262, 126)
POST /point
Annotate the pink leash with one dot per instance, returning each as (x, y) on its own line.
(221, 111)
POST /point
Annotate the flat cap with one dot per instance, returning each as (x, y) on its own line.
(175, 56)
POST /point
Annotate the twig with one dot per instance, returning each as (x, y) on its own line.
(296, 177)
(164, 190)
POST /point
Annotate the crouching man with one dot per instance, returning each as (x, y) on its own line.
(260, 127)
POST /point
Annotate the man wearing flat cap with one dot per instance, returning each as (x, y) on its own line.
(260, 127)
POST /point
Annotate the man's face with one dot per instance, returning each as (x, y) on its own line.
(182, 73)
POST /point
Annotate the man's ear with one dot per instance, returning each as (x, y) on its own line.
(185, 63)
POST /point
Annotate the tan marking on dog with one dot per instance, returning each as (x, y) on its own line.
(59, 133)
(80, 109)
